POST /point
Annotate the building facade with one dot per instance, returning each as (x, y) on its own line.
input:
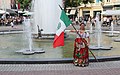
(13, 4)
(5, 4)
(98, 6)
(9, 4)
(111, 5)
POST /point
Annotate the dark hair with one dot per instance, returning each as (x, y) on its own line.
(82, 23)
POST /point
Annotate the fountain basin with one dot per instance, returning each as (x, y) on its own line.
(95, 47)
(112, 35)
(30, 52)
(117, 40)
(11, 43)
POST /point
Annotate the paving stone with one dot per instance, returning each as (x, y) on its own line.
(100, 68)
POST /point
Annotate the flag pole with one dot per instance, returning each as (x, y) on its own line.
(60, 7)
(80, 36)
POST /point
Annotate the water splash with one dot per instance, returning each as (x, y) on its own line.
(98, 30)
(46, 15)
(28, 33)
(98, 35)
(91, 28)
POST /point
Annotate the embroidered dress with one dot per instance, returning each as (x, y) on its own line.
(81, 55)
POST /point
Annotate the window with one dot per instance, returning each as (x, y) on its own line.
(108, 0)
(97, 1)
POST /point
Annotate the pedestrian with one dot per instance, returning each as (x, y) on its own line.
(81, 55)
(93, 22)
(12, 24)
(108, 21)
(111, 20)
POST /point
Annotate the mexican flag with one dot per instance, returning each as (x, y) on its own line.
(63, 23)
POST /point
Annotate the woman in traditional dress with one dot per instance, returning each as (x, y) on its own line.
(81, 54)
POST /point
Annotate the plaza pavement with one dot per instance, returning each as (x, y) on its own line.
(97, 68)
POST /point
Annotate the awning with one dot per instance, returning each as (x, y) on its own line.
(72, 12)
(2, 12)
(22, 11)
(67, 14)
(28, 13)
(11, 11)
(111, 12)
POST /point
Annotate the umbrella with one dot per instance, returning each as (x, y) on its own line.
(111, 12)
(2, 12)
(28, 13)
(11, 11)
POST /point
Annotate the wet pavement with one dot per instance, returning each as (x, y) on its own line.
(20, 27)
(9, 28)
(98, 68)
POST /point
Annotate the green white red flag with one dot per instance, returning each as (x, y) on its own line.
(63, 23)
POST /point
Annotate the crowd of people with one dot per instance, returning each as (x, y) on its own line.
(86, 20)
(8, 20)
(105, 20)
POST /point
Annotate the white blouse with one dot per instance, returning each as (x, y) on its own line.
(83, 35)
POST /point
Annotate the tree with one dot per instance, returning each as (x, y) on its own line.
(75, 3)
(71, 3)
(25, 4)
(87, 1)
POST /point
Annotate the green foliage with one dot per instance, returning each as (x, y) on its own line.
(87, 1)
(72, 3)
(75, 3)
(25, 4)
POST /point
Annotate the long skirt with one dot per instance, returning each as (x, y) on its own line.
(81, 54)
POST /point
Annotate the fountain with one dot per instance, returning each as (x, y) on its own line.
(117, 40)
(98, 35)
(13, 42)
(46, 17)
(91, 28)
(111, 34)
(28, 38)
